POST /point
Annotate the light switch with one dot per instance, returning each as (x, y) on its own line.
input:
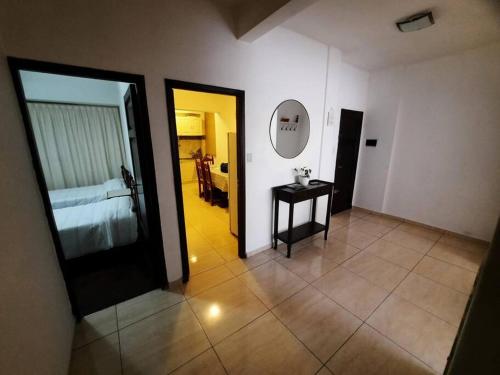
(249, 157)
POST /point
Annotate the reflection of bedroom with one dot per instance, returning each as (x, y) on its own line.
(80, 129)
(206, 130)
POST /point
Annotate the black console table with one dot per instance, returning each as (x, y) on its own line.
(294, 193)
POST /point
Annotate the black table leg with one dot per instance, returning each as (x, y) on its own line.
(276, 217)
(313, 214)
(290, 230)
(328, 214)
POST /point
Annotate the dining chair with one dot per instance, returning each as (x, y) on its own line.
(209, 186)
(199, 172)
(208, 158)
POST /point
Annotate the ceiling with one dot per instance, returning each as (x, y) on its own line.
(365, 31)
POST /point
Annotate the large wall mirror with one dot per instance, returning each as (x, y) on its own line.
(289, 128)
(88, 132)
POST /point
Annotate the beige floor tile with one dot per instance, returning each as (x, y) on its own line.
(296, 247)
(369, 227)
(394, 253)
(99, 357)
(409, 240)
(358, 212)
(144, 305)
(419, 230)
(309, 265)
(228, 252)
(162, 342)
(351, 291)
(94, 326)
(454, 277)
(318, 322)
(205, 280)
(266, 347)
(439, 300)
(239, 266)
(205, 364)
(272, 283)
(370, 353)
(463, 243)
(380, 272)
(415, 330)
(207, 232)
(198, 244)
(354, 237)
(342, 219)
(336, 251)
(324, 371)
(204, 262)
(469, 259)
(226, 308)
(383, 220)
(222, 238)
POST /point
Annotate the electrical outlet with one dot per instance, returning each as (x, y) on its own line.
(249, 157)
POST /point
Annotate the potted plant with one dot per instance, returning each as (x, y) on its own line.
(304, 174)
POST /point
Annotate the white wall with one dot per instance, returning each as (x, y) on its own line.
(278, 66)
(346, 87)
(35, 317)
(443, 167)
(379, 123)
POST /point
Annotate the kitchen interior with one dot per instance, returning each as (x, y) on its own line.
(207, 134)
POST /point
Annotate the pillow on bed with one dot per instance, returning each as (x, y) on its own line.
(114, 184)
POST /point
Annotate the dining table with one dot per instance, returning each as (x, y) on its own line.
(219, 179)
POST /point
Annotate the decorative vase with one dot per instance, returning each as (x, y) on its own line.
(304, 181)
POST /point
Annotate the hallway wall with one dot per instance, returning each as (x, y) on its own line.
(35, 318)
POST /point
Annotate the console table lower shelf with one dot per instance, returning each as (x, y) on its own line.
(302, 232)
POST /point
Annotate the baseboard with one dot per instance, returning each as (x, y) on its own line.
(426, 226)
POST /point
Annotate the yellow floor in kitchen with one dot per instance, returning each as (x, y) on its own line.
(379, 297)
(210, 242)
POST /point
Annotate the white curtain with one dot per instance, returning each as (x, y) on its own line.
(79, 145)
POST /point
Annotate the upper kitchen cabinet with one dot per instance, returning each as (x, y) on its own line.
(190, 123)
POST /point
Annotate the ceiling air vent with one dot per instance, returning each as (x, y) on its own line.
(416, 22)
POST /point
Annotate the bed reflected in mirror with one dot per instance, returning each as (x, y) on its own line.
(85, 138)
(81, 134)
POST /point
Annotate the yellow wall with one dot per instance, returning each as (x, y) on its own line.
(223, 106)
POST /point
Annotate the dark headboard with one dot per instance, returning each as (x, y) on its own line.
(127, 177)
(130, 184)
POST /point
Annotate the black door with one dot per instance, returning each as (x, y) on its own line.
(347, 159)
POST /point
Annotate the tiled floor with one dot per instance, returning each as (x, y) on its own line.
(379, 297)
(210, 242)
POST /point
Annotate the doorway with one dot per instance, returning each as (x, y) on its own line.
(347, 159)
(206, 126)
(88, 133)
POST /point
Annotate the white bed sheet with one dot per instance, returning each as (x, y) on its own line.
(62, 198)
(89, 228)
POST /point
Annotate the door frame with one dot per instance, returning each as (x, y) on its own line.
(170, 85)
(357, 155)
(146, 162)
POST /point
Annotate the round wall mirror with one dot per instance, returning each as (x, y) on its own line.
(289, 128)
